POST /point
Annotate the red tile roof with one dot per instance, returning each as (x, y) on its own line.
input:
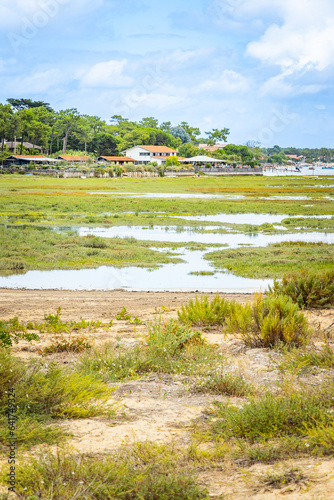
(117, 158)
(74, 158)
(30, 157)
(157, 149)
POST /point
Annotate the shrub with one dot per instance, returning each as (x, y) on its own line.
(202, 312)
(123, 314)
(77, 344)
(269, 322)
(307, 288)
(168, 339)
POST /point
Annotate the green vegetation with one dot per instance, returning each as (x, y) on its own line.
(226, 383)
(143, 471)
(275, 259)
(45, 392)
(169, 348)
(27, 248)
(308, 288)
(201, 312)
(12, 331)
(268, 322)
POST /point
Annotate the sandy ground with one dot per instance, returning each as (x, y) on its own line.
(162, 407)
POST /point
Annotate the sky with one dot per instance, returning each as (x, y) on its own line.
(262, 68)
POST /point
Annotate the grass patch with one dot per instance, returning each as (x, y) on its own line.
(168, 348)
(143, 471)
(274, 260)
(45, 392)
(308, 288)
(298, 361)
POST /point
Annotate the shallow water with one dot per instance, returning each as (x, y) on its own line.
(188, 234)
(305, 172)
(171, 195)
(249, 218)
(168, 277)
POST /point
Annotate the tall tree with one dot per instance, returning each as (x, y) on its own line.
(19, 104)
(67, 121)
(193, 132)
(217, 135)
(6, 113)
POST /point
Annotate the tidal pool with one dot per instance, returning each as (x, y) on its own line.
(170, 277)
(188, 234)
(249, 218)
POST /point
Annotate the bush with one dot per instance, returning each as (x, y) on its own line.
(307, 288)
(269, 322)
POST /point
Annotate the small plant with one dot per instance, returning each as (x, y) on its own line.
(137, 321)
(77, 344)
(123, 315)
(307, 288)
(278, 480)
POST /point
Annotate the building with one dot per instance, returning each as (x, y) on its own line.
(27, 159)
(74, 159)
(16, 146)
(212, 148)
(145, 154)
(121, 160)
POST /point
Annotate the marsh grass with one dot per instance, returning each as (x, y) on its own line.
(45, 392)
(62, 344)
(143, 471)
(275, 259)
(12, 330)
(41, 250)
(307, 288)
(168, 348)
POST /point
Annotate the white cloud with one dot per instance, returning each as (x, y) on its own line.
(228, 82)
(41, 81)
(304, 40)
(107, 74)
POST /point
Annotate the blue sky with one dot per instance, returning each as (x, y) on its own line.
(263, 69)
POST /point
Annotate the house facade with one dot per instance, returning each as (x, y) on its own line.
(145, 154)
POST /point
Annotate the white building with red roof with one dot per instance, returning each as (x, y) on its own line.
(145, 154)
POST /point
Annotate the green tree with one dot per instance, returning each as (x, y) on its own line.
(67, 121)
(6, 114)
(20, 104)
(217, 135)
(193, 132)
(149, 122)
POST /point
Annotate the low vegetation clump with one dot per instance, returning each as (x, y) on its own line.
(201, 312)
(227, 383)
(274, 416)
(63, 344)
(143, 471)
(307, 288)
(298, 361)
(269, 322)
(46, 392)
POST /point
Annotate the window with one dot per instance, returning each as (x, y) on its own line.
(144, 154)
